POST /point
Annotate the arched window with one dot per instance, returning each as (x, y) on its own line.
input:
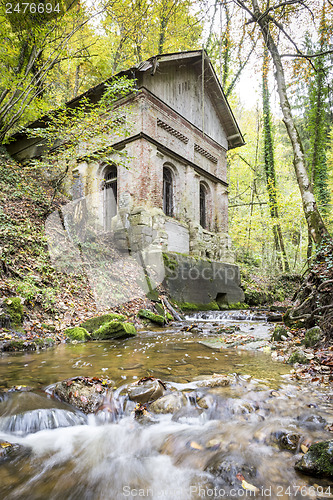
(167, 191)
(203, 205)
(110, 195)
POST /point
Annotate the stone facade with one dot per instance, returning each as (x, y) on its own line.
(165, 184)
(159, 138)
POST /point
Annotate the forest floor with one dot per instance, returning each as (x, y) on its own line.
(55, 300)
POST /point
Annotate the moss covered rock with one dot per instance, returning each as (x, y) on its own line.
(318, 461)
(115, 330)
(313, 336)
(298, 357)
(92, 324)
(154, 318)
(77, 333)
(280, 333)
(14, 309)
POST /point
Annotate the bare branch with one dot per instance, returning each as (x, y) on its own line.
(309, 56)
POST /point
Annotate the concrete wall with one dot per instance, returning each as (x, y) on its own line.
(202, 281)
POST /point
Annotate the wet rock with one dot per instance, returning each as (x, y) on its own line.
(146, 390)
(10, 450)
(154, 318)
(215, 381)
(115, 330)
(86, 394)
(286, 440)
(205, 402)
(77, 333)
(170, 403)
(142, 415)
(318, 461)
(313, 336)
(228, 468)
(93, 324)
(312, 422)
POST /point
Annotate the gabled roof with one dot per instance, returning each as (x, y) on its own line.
(198, 58)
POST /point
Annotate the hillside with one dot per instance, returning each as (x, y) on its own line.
(50, 297)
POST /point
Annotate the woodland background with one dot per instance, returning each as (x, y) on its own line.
(47, 59)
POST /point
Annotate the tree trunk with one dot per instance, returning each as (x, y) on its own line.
(269, 165)
(315, 223)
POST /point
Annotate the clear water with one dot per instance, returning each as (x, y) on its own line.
(195, 453)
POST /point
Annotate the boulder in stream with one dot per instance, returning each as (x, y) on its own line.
(92, 324)
(86, 394)
(77, 333)
(216, 380)
(145, 390)
(115, 330)
(318, 461)
(169, 403)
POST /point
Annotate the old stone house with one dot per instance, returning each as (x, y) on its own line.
(173, 193)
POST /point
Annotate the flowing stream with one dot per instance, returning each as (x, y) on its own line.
(224, 442)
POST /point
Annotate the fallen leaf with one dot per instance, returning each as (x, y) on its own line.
(304, 448)
(250, 487)
(196, 446)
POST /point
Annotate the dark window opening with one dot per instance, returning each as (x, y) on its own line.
(167, 192)
(110, 196)
(203, 206)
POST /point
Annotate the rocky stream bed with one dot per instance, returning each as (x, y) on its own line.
(195, 409)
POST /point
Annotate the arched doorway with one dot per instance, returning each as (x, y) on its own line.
(168, 205)
(110, 195)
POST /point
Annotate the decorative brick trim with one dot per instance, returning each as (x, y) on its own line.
(205, 153)
(172, 131)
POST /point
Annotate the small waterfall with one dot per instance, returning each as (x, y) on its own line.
(37, 420)
(226, 316)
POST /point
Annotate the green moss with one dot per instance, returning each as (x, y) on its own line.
(298, 357)
(155, 318)
(279, 331)
(19, 345)
(288, 321)
(14, 308)
(170, 262)
(163, 312)
(190, 306)
(77, 333)
(238, 306)
(93, 324)
(313, 336)
(318, 461)
(115, 330)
